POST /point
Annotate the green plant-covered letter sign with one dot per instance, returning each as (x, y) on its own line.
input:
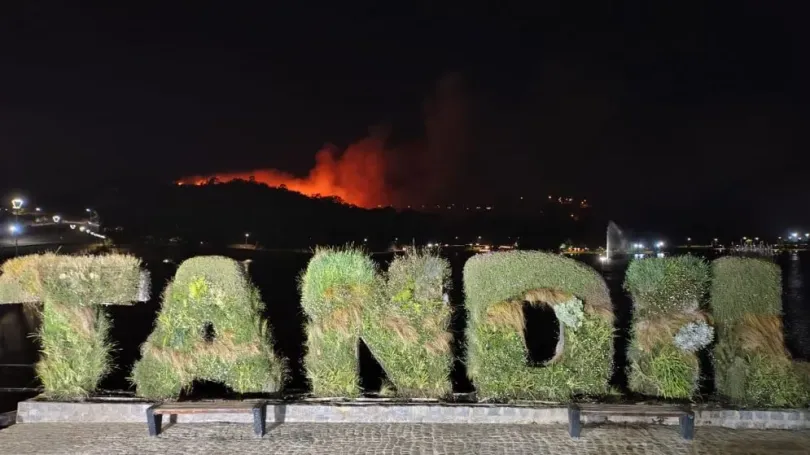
(496, 285)
(209, 327)
(74, 330)
(402, 319)
(669, 327)
(752, 366)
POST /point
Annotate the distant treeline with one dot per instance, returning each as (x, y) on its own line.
(277, 217)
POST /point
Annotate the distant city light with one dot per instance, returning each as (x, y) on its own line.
(17, 203)
(689, 239)
(14, 229)
(715, 240)
(659, 244)
(660, 255)
(38, 209)
(603, 258)
(57, 218)
(81, 228)
(73, 226)
(794, 234)
(87, 210)
(756, 238)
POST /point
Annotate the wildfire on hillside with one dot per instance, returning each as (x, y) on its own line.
(373, 172)
(357, 176)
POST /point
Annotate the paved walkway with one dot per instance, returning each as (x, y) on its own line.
(323, 439)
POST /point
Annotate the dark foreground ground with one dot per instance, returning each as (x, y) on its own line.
(345, 438)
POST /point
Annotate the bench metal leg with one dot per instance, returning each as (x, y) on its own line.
(687, 426)
(574, 424)
(153, 421)
(259, 412)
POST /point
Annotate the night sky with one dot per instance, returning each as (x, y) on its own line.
(662, 116)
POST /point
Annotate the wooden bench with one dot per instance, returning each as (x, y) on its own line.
(685, 415)
(154, 414)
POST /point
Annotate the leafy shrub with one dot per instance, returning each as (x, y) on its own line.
(570, 313)
(694, 336)
(496, 285)
(208, 290)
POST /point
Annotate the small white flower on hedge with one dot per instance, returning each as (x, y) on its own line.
(694, 336)
(570, 313)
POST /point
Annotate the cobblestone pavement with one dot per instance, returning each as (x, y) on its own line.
(305, 438)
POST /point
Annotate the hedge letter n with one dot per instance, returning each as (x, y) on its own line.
(75, 349)
(403, 319)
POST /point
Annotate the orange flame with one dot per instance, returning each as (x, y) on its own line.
(357, 176)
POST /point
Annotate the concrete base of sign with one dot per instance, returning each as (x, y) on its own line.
(134, 411)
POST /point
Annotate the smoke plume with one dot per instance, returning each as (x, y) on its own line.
(369, 173)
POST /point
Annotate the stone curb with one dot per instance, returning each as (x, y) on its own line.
(33, 411)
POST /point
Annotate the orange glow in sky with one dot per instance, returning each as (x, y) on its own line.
(357, 176)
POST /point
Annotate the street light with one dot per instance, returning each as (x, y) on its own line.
(14, 229)
(17, 205)
(247, 234)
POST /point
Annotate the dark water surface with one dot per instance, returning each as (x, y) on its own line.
(276, 275)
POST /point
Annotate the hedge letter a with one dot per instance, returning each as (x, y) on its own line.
(210, 328)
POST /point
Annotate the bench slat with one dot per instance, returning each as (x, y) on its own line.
(667, 411)
(223, 407)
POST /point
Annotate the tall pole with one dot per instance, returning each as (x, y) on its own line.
(16, 205)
